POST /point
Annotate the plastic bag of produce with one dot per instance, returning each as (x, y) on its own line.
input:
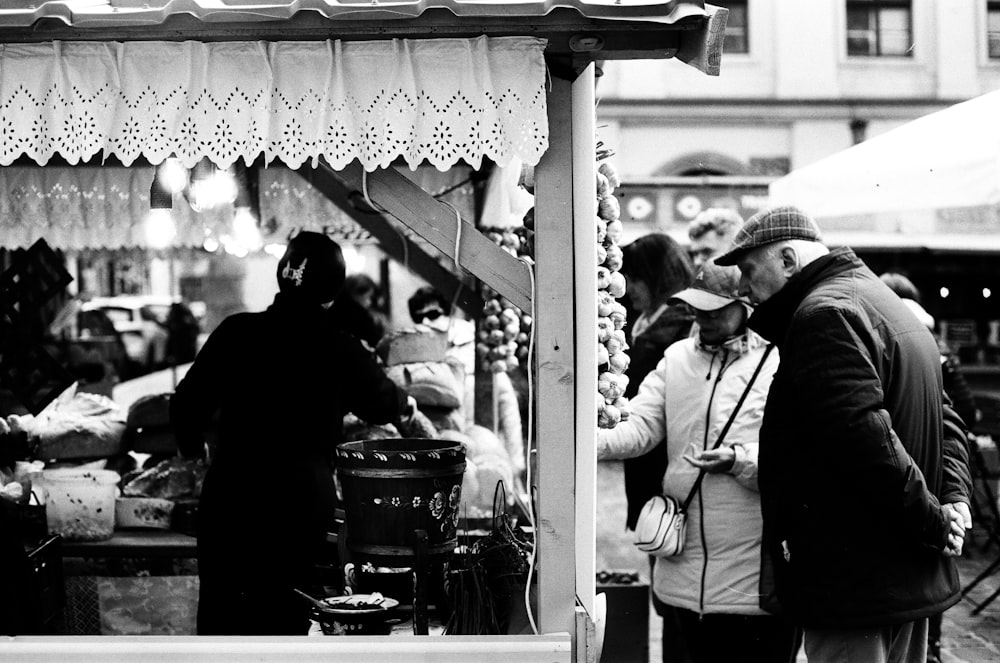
(77, 425)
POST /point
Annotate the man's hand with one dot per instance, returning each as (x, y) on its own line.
(959, 519)
(963, 509)
(714, 460)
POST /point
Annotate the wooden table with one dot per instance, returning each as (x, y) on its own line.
(151, 543)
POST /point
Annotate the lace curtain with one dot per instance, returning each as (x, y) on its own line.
(91, 207)
(441, 101)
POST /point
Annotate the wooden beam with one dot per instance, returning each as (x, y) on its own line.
(438, 224)
(555, 364)
(397, 246)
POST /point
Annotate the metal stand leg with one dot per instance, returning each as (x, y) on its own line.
(992, 597)
(420, 619)
(981, 577)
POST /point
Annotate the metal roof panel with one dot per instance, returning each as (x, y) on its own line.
(107, 13)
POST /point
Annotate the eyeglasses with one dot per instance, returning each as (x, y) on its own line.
(433, 314)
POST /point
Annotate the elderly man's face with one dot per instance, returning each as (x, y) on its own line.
(762, 273)
(708, 246)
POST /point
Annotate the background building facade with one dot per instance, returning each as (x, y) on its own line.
(801, 80)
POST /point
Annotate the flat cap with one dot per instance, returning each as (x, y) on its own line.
(768, 226)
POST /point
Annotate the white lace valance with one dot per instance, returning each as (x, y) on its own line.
(438, 100)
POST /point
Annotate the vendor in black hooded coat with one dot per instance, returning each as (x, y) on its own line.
(280, 382)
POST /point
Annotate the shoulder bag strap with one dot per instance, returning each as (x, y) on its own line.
(725, 429)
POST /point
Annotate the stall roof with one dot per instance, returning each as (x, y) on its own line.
(577, 31)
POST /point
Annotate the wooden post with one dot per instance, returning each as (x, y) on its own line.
(555, 365)
(585, 327)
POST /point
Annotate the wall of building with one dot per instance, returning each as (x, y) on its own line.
(797, 91)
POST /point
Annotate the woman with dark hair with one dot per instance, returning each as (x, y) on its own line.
(655, 268)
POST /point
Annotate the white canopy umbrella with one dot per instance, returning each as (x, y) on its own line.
(927, 183)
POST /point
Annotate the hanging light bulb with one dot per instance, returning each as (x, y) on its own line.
(353, 259)
(172, 175)
(245, 230)
(275, 250)
(160, 197)
(223, 187)
(160, 228)
(199, 191)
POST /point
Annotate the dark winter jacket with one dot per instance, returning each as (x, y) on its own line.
(280, 382)
(644, 475)
(852, 460)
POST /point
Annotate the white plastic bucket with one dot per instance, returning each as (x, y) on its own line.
(80, 503)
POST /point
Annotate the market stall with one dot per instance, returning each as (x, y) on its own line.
(404, 83)
(923, 199)
(933, 183)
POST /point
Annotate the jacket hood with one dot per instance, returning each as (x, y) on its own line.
(772, 318)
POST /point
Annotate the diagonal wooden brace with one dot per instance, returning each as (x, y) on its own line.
(436, 223)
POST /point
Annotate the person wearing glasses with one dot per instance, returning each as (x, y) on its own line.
(428, 307)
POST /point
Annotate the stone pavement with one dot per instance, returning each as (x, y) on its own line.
(966, 638)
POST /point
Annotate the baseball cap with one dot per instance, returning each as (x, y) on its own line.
(714, 286)
(768, 226)
(312, 268)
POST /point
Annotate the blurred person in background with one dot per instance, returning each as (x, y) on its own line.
(427, 306)
(962, 400)
(182, 334)
(955, 384)
(357, 313)
(280, 382)
(708, 594)
(710, 233)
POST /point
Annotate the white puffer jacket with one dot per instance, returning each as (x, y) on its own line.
(695, 388)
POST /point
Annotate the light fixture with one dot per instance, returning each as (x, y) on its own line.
(245, 230)
(353, 259)
(275, 250)
(172, 174)
(160, 197)
(160, 228)
(944, 292)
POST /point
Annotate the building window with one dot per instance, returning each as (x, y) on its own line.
(737, 33)
(879, 27)
(993, 29)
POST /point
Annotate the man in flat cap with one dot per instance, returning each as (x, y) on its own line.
(864, 482)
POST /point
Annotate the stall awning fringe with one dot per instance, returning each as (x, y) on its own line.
(438, 101)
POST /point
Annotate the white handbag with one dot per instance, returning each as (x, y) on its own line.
(662, 524)
(661, 527)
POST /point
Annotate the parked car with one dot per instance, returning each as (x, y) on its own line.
(141, 321)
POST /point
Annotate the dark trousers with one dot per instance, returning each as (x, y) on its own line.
(899, 643)
(718, 638)
(228, 607)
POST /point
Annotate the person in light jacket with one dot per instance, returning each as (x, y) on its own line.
(710, 591)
